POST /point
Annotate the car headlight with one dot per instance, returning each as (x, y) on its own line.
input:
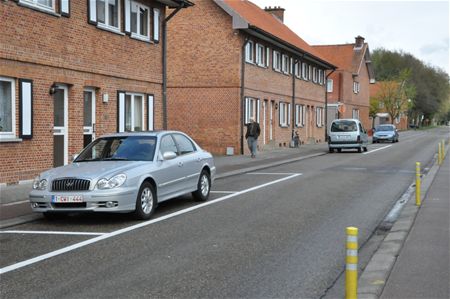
(39, 184)
(114, 182)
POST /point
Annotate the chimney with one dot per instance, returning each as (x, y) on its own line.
(276, 11)
(359, 42)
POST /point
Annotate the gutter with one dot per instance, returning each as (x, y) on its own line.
(242, 92)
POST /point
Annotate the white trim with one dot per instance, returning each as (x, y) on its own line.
(156, 14)
(27, 114)
(249, 52)
(150, 112)
(106, 25)
(93, 104)
(12, 134)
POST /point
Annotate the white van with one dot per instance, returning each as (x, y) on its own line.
(347, 133)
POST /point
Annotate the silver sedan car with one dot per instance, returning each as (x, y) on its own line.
(126, 172)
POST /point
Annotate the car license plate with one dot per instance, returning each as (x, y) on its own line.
(343, 137)
(67, 198)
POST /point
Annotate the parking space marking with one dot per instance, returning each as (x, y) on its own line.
(134, 227)
(50, 233)
(224, 192)
(15, 203)
(273, 173)
(378, 149)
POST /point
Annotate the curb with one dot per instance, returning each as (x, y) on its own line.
(376, 274)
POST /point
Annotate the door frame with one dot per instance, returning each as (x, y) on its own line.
(91, 129)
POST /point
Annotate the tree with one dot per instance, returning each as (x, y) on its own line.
(374, 109)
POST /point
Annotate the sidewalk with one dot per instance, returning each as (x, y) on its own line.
(413, 260)
(14, 207)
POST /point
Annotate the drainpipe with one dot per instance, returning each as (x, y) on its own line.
(164, 64)
(326, 105)
(242, 93)
(293, 101)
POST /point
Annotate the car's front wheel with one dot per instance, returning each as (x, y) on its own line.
(203, 187)
(145, 201)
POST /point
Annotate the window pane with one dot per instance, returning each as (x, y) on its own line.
(87, 109)
(168, 145)
(128, 113)
(113, 13)
(101, 11)
(58, 101)
(138, 113)
(184, 145)
(5, 107)
(144, 21)
(47, 3)
(133, 18)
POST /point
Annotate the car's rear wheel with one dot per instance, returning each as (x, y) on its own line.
(203, 187)
(145, 201)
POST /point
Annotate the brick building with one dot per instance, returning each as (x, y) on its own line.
(348, 94)
(73, 70)
(230, 61)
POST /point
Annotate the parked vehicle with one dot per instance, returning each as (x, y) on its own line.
(385, 133)
(126, 172)
(347, 134)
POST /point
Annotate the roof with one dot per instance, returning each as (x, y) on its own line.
(247, 15)
(346, 57)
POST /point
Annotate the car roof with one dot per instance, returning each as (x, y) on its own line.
(141, 133)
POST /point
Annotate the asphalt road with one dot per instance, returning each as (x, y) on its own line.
(269, 234)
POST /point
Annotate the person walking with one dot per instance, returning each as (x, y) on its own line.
(253, 131)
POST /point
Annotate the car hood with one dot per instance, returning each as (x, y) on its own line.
(92, 170)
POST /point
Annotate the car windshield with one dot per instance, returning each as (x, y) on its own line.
(384, 128)
(121, 148)
(343, 126)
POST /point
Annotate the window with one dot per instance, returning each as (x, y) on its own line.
(304, 71)
(310, 72)
(40, 4)
(249, 52)
(156, 14)
(134, 112)
(260, 55)
(7, 108)
(297, 70)
(251, 109)
(140, 21)
(314, 75)
(108, 13)
(355, 113)
(185, 146)
(285, 64)
(330, 85)
(267, 57)
(285, 114)
(321, 79)
(300, 115)
(276, 61)
(168, 145)
(319, 117)
(356, 87)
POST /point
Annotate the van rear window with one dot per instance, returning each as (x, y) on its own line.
(343, 126)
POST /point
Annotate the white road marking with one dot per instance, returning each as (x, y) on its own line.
(273, 173)
(15, 203)
(49, 232)
(378, 149)
(224, 192)
(355, 168)
(134, 227)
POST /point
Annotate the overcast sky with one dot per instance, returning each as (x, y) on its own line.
(420, 28)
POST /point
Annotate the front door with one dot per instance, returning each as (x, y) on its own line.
(89, 117)
(60, 122)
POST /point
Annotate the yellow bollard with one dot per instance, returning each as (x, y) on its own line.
(351, 265)
(418, 184)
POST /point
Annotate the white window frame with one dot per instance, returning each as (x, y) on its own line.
(300, 115)
(133, 95)
(314, 74)
(249, 52)
(330, 85)
(285, 64)
(276, 58)
(10, 134)
(319, 117)
(156, 22)
(355, 113)
(356, 87)
(36, 4)
(321, 73)
(260, 55)
(137, 35)
(267, 56)
(106, 25)
(251, 109)
(284, 114)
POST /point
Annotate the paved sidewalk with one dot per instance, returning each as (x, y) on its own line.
(413, 259)
(422, 268)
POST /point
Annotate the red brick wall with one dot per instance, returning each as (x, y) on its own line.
(47, 49)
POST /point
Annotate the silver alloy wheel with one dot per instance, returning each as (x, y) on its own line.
(146, 200)
(204, 185)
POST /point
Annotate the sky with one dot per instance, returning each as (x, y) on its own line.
(420, 28)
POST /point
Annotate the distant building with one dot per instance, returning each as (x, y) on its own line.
(348, 86)
(230, 61)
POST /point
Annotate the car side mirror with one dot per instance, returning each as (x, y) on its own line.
(169, 155)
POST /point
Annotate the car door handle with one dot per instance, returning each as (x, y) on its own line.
(180, 164)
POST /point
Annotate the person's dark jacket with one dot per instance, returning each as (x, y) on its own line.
(253, 130)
